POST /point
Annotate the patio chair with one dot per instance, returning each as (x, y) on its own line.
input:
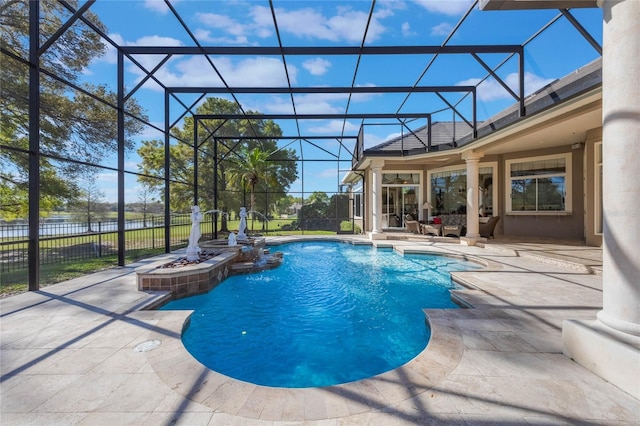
(411, 225)
(486, 229)
(431, 229)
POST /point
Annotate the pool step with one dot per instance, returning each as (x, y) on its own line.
(548, 256)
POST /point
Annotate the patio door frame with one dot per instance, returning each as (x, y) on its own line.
(399, 200)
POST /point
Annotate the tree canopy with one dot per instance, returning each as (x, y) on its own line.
(244, 164)
(75, 123)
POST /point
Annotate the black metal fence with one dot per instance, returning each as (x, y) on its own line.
(62, 242)
(80, 247)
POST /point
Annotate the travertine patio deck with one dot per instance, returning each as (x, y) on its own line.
(69, 356)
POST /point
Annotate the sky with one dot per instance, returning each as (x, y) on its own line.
(560, 50)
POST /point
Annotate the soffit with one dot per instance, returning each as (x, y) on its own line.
(535, 4)
(562, 126)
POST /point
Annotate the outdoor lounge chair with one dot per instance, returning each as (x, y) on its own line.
(486, 229)
(411, 225)
(431, 229)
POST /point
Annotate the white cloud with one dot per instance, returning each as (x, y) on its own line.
(204, 36)
(131, 165)
(111, 54)
(159, 5)
(406, 30)
(317, 66)
(334, 127)
(150, 133)
(443, 29)
(148, 61)
(155, 40)
(491, 90)
(250, 72)
(393, 135)
(223, 22)
(346, 25)
(318, 103)
(371, 139)
(393, 4)
(445, 7)
(276, 105)
(314, 103)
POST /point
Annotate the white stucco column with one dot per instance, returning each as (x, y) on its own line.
(610, 346)
(621, 155)
(473, 224)
(376, 198)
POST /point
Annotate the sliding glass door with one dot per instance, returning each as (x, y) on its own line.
(399, 198)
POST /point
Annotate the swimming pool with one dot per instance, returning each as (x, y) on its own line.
(331, 313)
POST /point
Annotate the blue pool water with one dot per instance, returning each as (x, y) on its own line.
(331, 313)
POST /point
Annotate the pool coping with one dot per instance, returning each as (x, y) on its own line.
(179, 370)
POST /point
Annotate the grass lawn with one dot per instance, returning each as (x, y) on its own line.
(141, 243)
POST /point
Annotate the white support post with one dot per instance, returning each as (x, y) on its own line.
(473, 184)
(376, 199)
(610, 345)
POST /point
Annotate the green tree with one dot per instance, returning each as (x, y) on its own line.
(73, 125)
(283, 204)
(90, 206)
(338, 206)
(234, 151)
(315, 206)
(144, 203)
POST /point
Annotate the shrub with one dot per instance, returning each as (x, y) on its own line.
(347, 226)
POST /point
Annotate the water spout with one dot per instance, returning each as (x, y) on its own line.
(261, 260)
(259, 214)
(264, 219)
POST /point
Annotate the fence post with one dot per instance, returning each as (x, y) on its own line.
(100, 239)
(153, 232)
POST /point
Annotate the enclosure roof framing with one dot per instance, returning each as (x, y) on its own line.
(361, 51)
(326, 89)
(319, 50)
(285, 137)
(309, 116)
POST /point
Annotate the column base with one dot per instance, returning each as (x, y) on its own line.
(377, 236)
(471, 240)
(610, 354)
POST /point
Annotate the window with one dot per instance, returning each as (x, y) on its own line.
(448, 191)
(539, 184)
(598, 188)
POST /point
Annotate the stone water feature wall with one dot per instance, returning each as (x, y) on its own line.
(199, 278)
(187, 281)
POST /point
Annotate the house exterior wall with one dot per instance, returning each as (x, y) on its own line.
(577, 225)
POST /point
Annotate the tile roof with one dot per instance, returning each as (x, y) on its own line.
(448, 134)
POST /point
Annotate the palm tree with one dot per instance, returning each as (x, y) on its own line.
(251, 168)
